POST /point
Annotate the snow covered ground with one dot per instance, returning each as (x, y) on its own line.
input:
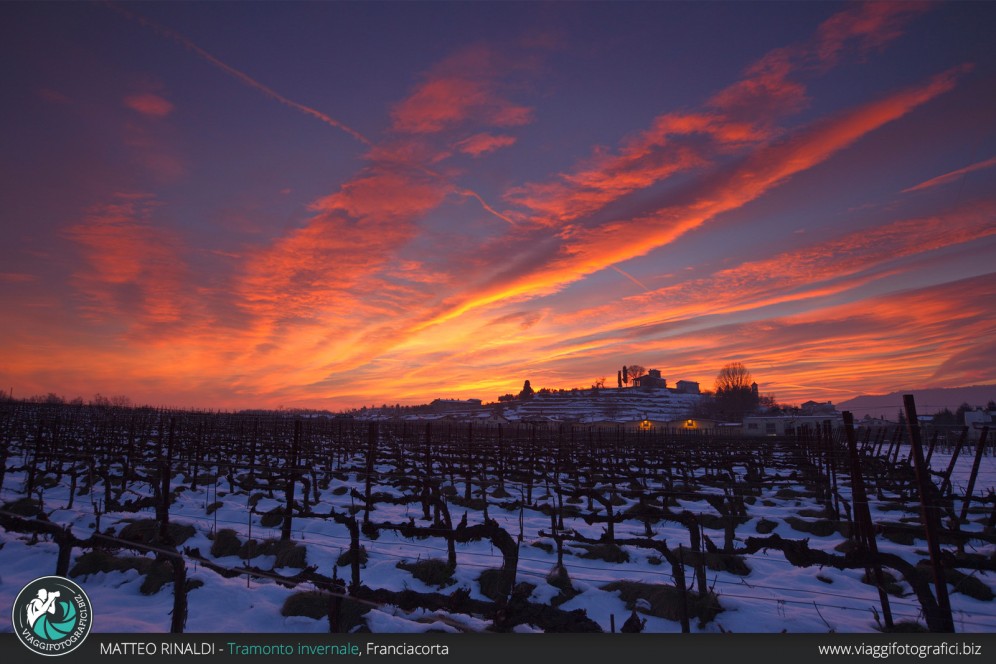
(773, 597)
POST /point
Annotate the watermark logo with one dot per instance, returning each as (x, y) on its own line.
(52, 615)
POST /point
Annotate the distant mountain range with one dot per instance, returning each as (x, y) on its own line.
(928, 401)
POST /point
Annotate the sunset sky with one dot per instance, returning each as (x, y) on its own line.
(330, 205)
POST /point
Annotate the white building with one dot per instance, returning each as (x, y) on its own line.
(975, 420)
(788, 425)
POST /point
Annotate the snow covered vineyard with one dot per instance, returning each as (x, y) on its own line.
(223, 522)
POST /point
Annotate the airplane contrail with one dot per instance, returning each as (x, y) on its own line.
(630, 277)
(235, 73)
(273, 94)
(473, 194)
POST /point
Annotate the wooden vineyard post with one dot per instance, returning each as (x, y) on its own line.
(699, 545)
(65, 541)
(165, 472)
(899, 444)
(879, 442)
(931, 522)
(285, 528)
(862, 517)
(468, 487)
(865, 443)
(679, 581)
(372, 436)
(930, 448)
(895, 438)
(946, 484)
(354, 548)
(834, 458)
(980, 447)
(179, 595)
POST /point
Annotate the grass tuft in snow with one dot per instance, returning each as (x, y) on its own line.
(966, 584)
(312, 604)
(146, 531)
(157, 572)
(906, 627)
(719, 562)
(93, 562)
(819, 528)
(610, 553)
(23, 507)
(765, 526)
(273, 518)
(492, 581)
(316, 604)
(665, 600)
(160, 573)
(226, 543)
(287, 553)
(890, 584)
(346, 559)
(560, 579)
(431, 571)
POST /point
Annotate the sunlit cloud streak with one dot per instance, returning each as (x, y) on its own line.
(948, 178)
(584, 251)
(740, 116)
(876, 345)
(483, 143)
(803, 277)
(465, 86)
(132, 268)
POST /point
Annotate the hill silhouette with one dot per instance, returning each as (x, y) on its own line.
(928, 401)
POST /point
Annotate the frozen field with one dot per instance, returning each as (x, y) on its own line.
(764, 489)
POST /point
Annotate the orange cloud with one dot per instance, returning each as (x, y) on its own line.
(836, 266)
(149, 104)
(897, 341)
(334, 292)
(920, 337)
(132, 270)
(587, 250)
(688, 325)
(741, 115)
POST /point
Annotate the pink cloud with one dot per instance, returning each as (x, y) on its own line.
(483, 143)
(952, 176)
(869, 25)
(17, 277)
(149, 104)
(465, 87)
(53, 96)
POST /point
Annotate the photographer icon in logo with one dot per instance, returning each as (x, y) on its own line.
(52, 615)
